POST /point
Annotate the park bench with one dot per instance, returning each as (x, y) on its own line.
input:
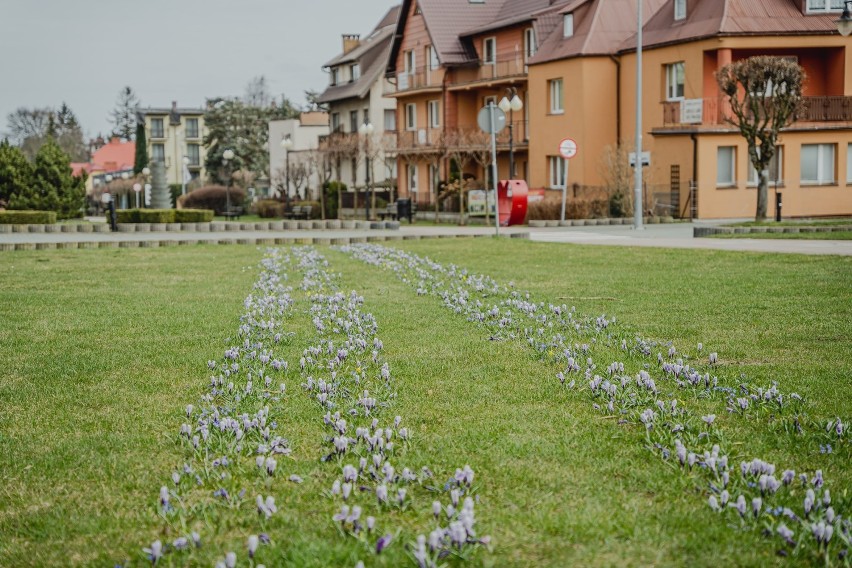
(232, 213)
(407, 207)
(300, 212)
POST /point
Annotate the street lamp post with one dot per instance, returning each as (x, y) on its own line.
(146, 172)
(510, 106)
(183, 175)
(287, 145)
(844, 24)
(227, 156)
(137, 187)
(366, 130)
(637, 191)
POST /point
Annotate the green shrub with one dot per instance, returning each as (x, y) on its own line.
(27, 217)
(127, 216)
(213, 197)
(331, 190)
(193, 215)
(269, 209)
(156, 215)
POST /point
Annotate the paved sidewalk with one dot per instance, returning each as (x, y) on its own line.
(673, 235)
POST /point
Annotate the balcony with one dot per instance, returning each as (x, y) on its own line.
(430, 140)
(422, 79)
(715, 111)
(501, 70)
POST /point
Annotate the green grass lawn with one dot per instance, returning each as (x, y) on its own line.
(100, 352)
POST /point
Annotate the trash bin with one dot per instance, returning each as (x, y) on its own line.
(403, 209)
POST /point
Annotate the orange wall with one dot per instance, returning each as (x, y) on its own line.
(415, 37)
(510, 42)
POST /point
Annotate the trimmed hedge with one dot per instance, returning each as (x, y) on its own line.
(145, 215)
(213, 197)
(269, 209)
(23, 217)
(193, 215)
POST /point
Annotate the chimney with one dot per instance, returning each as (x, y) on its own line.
(350, 42)
(174, 105)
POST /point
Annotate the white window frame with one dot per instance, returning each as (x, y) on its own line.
(672, 84)
(433, 109)
(390, 119)
(823, 6)
(411, 176)
(486, 60)
(410, 59)
(776, 166)
(158, 132)
(679, 10)
(162, 151)
(732, 182)
(568, 25)
(193, 152)
(529, 44)
(411, 116)
(334, 76)
(434, 62)
(354, 72)
(556, 91)
(556, 172)
(823, 177)
(489, 100)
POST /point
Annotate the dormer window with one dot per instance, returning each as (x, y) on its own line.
(354, 72)
(679, 10)
(816, 6)
(568, 25)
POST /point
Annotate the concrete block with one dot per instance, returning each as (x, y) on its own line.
(174, 226)
(25, 246)
(45, 246)
(35, 228)
(158, 227)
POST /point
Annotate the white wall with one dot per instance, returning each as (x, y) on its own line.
(305, 138)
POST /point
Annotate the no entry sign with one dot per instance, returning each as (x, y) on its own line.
(568, 148)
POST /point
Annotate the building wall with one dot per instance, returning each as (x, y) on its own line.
(305, 139)
(175, 146)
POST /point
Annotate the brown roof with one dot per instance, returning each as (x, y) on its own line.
(513, 12)
(600, 27)
(371, 56)
(708, 18)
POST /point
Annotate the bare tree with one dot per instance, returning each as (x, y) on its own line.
(257, 93)
(123, 116)
(764, 94)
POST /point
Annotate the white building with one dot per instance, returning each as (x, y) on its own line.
(304, 134)
(356, 96)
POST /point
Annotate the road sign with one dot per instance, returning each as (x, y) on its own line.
(646, 159)
(484, 120)
(568, 148)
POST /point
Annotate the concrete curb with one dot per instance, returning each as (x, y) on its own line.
(698, 232)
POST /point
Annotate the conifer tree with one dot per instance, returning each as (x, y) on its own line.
(16, 173)
(53, 187)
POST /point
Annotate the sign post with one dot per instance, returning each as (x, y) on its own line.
(492, 120)
(567, 149)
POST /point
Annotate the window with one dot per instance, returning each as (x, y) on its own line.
(556, 167)
(390, 119)
(489, 50)
(366, 115)
(726, 170)
(193, 152)
(411, 116)
(192, 128)
(568, 25)
(158, 152)
(825, 5)
(354, 72)
(679, 10)
(334, 76)
(776, 169)
(410, 62)
(353, 121)
(529, 43)
(157, 128)
(817, 164)
(556, 104)
(411, 176)
(674, 81)
(434, 110)
(434, 63)
(849, 163)
(490, 100)
(335, 122)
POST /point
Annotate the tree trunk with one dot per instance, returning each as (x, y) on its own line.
(762, 195)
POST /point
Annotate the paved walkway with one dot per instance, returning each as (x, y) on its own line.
(675, 235)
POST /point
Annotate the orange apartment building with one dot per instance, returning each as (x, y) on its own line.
(573, 64)
(449, 59)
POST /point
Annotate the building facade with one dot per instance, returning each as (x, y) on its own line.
(302, 177)
(355, 97)
(172, 134)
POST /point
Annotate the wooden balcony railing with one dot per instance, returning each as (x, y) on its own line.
(421, 78)
(438, 139)
(500, 69)
(714, 111)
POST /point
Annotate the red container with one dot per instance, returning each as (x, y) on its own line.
(512, 201)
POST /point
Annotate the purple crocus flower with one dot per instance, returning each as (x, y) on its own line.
(741, 506)
(155, 552)
(383, 543)
(253, 541)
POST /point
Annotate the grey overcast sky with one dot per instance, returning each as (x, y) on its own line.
(83, 52)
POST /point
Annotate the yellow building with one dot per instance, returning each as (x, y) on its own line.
(172, 134)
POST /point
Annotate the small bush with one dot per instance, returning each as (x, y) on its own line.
(193, 215)
(156, 215)
(551, 209)
(213, 197)
(127, 216)
(27, 217)
(269, 209)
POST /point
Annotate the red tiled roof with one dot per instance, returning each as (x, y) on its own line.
(78, 167)
(114, 156)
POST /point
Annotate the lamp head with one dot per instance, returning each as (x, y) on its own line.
(108, 178)
(185, 161)
(844, 24)
(105, 198)
(516, 103)
(125, 175)
(287, 142)
(228, 155)
(137, 187)
(505, 105)
(146, 171)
